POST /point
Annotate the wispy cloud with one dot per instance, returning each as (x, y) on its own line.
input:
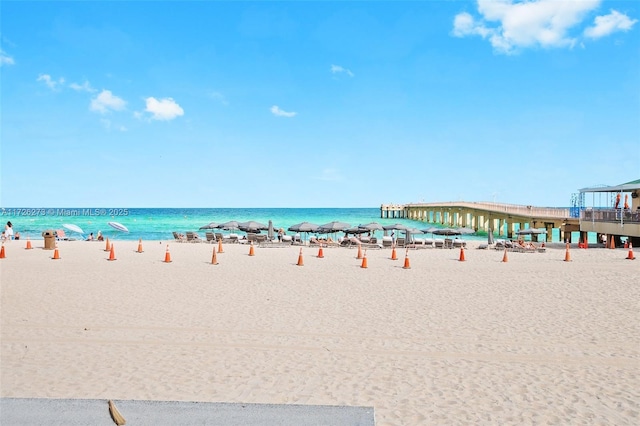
(219, 97)
(164, 109)
(510, 26)
(50, 82)
(5, 59)
(106, 102)
(275, 110)
(337, 69)
(84, 87)
(330, 175)
(110, 126)
(607, 24)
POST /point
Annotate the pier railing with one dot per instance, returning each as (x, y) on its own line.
(511, 209)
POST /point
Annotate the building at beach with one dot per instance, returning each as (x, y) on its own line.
(613, 211)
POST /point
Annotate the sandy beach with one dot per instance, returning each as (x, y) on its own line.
(535, 340)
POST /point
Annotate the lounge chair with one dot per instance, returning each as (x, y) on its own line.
(210, 237)
(439, 243)
(193, 237)
(61, 236)
(458, 243)
(448, 243)
(179, 238)
(387, 242)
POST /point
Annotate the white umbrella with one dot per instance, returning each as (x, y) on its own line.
(118, 226)
(73, 228)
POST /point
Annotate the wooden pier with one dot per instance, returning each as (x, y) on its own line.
(484, 216)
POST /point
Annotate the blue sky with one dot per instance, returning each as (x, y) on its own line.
(316, 104)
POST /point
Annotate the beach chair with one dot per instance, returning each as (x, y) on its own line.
(193, 237)
(448, 243)
(251, 237)
(210, 237)
(233, 238)
(387, 242)
(458, 243)
(61, 236)
(179, 238)
(439, 244)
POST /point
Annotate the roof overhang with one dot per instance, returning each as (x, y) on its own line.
(625, 187)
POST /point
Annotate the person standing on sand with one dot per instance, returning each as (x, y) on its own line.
(8, 231)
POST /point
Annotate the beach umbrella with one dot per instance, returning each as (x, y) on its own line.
(251, 226)
(372, 226)
(73, 228)
(230, 226)
(395, 226)
(334, 226)
(211, 225)
(430, 230)
(446, 231)
(465, 231)
(356, 230)
(408, 232)
(490, 237)
(270, 233)
(531, 231)
(304, 227)
(118, 226)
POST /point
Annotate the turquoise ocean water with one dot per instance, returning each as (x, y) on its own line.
(159, 223)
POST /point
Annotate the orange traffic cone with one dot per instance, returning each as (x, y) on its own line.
(108, 246)
(112, 253)
(28, 247)
(214, 258)
(505, 258)
(394, 255)
(167, 256)
(612, 242)
(139, 246)
(300, 261)
(56, 254)
(2, 253)
(251, 250)
(220, 246)
(406, 261)
(320, 252)
(630, 256)
(461, 254)
(567, 255)
(359, 256)
(364, 260)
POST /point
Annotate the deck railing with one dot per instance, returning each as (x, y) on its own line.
(610, 215)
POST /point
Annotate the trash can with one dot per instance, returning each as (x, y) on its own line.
(49, 239)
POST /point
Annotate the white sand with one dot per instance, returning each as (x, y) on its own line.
(533, 340)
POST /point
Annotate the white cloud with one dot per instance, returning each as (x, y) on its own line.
(509, 25)
(275, 110)
(5, 59)
(337, 69)
(106, 101)
(607, 24)
(51, 83)
(84, 87)
(163, 109)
